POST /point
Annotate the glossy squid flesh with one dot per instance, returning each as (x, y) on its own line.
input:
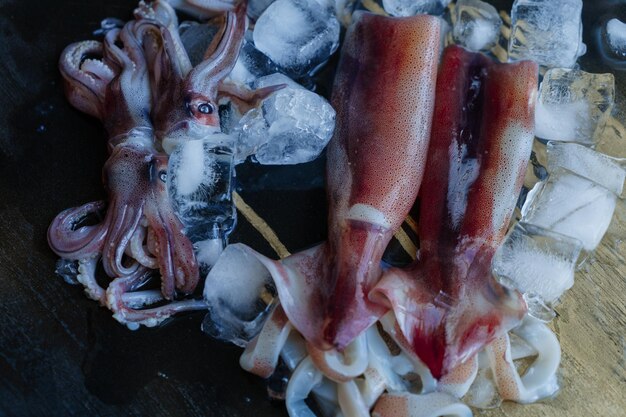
(447, 304)
(138, 230)
(376, 160)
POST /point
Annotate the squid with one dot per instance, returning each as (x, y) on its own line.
(122, 81)
(447, 304)
(383, 94)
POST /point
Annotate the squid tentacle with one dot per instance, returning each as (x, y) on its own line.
(86, 74)
(68, 239)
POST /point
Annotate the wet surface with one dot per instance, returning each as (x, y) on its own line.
(61, 354)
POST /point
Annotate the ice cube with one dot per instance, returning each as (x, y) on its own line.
(547, 31)
(238, 290)
(200, 181)
(251, 63)
(298, 35)
(616, 37)
(413, 7)
(68, 270)
(587, 163)
(572, 104)
(537, 261)
(292, 126)
(477, 25)
(571, 205)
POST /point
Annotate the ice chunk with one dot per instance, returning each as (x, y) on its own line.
(68, 270)
(572, 104)
(616, 37)
(477, 25)
(292, 126)
(239, 291)
(587, 163)
(413, 7)
(200, 181)
(298, 35)
(251, 63)
(547, 31)
(571, 205)
(537, 261)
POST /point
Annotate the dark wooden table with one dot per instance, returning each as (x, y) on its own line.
(61, 354)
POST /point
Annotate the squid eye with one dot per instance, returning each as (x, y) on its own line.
(205, 108)
(163, 176)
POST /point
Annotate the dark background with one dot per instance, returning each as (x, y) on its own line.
(60, 353)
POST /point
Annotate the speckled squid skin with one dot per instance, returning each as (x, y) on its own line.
(447, 303)
(384, 95)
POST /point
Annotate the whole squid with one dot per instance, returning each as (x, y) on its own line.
(447, 304)
(384, 94)
(117, 82)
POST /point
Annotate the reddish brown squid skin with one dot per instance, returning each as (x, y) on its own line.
(384, 95)
(447, 303)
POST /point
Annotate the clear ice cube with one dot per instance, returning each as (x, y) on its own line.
(298, 35)
(413, 7)
(571, 205)
(616, 37)
(477, 25)
(251, 63)
(537, 261)
(200, 182)
(587, 163)
(292, 126)
(239, 293)
(572, 104)
(546, 31)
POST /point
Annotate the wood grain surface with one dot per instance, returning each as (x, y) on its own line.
(62, 355)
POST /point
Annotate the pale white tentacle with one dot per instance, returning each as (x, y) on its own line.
(87, 277)
(390, 326)
(458, 381)
(540, 379)
(341, 366)
(261, 355)
(351, 402)
(138, 251)
(303, 380)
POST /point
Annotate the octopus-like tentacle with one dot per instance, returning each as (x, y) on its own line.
(540, 380)
(392, 328)
(174, 250)
(341, 366)
(261, 355)
(305, 378)
(163, 13)
(128, 100)
(86, 75)
(87, 277)
(458, 381)
(68, 239)
(351, 401)
(426, 405)
(124, 219)
(138, 251)
(117, 295)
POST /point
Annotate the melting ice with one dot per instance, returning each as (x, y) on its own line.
(477, 25)
(298, 35)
